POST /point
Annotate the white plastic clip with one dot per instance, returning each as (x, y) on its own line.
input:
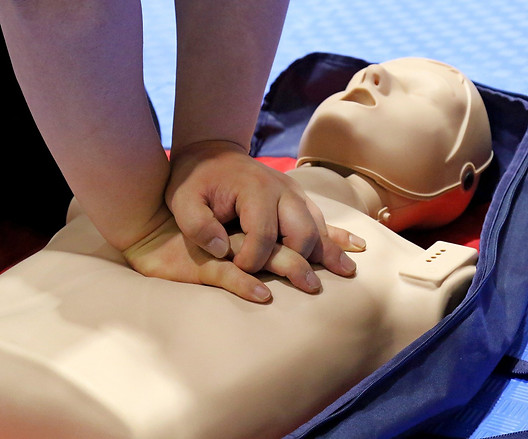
(438, 262)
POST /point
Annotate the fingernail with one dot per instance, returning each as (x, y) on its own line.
(349, 266)
(357, 243)
(313, 281)
(217, 247)
(261, 294)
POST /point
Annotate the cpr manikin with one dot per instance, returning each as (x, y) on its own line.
(91, 349)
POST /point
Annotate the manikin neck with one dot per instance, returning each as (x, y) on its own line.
(354, 190)
(389, 208)
(369, 197)
(360, 192)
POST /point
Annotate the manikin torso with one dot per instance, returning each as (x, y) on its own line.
(113, 354)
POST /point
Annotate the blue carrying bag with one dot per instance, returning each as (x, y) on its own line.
(438, 374)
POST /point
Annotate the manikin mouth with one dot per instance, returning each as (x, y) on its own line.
(361, 96)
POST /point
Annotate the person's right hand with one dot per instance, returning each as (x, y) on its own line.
(166, 253)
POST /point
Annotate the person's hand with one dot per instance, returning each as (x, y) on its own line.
(215, 182)
(166, 253)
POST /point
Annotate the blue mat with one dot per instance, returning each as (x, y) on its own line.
(486, 39)
(501, 406)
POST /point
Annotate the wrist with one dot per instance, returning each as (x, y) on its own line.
(145, 244)
(133, 232)
(210, 144)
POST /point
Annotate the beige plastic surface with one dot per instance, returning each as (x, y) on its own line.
(91, 349)
(429, 122)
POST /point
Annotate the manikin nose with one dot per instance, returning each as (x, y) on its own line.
(373, 81)
(377, 76)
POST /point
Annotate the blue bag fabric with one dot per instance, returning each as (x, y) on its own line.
(441, 371)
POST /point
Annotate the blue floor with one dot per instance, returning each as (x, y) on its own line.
(486, 39)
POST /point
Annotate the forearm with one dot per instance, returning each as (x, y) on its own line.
(80, 68)
(225, 52)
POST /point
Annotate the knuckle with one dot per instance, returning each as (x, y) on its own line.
(232, 279)
(297, 266)
(248, 265)
(310, 242)
(266, 236)
(212, 273)
(198, 229)
(293, 185)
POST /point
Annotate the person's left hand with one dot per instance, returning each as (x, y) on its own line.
(214, 182)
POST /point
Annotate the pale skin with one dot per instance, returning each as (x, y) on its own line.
(80, 68)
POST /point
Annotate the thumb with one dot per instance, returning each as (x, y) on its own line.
(198, 223)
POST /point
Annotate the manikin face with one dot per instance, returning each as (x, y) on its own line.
(397, 122)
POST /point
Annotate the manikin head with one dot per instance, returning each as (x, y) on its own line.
(416, 129)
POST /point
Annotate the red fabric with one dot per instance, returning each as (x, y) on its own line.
(465, 230)
(282, 164)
